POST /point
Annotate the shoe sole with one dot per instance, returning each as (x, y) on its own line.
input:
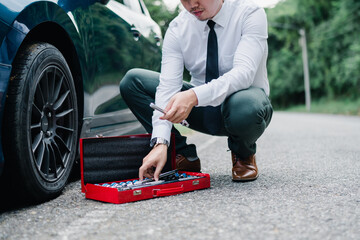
(246, 180)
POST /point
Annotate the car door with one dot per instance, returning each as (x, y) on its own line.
(124, 37)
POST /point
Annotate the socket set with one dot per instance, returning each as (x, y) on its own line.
(164, 178)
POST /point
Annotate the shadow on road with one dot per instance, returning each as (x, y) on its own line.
(12, 199)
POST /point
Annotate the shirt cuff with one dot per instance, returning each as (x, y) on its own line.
(202, 94)
(162, 130)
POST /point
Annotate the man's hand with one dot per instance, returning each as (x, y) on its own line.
(156, 158)
(180, 106)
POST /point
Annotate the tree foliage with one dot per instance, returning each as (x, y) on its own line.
(160, 13)
(333, 40)
(332, 28)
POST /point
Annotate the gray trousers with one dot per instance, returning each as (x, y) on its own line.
(245, 114)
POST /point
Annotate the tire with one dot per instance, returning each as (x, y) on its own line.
(40, 130)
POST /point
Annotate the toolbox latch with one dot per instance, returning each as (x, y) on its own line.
(195, 182)
(137, 192)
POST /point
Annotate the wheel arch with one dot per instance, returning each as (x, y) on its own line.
(56, 37)
(54, 26)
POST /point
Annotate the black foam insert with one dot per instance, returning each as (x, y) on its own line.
(115, 158)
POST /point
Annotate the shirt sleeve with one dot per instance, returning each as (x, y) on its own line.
(247, 58)
(171, 77)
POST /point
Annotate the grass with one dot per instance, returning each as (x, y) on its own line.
(182, 129)
(343, 107)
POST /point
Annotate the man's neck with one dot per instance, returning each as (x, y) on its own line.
(218, 10)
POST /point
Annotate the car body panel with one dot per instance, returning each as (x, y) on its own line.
(108, 37)
(130, 52)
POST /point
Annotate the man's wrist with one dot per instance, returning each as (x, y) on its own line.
(157, 141)
(160, 144)
(194, 98)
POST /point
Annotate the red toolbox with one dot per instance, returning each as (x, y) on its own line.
(109, 163)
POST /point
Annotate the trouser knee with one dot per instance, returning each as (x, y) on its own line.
(128, 83)
(246, 114)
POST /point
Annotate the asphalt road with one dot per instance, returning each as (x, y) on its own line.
(309, 188)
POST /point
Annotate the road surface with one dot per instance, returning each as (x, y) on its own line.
(309, 188)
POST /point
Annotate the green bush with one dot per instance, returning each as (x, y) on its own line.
(333, 40)
(332, 28)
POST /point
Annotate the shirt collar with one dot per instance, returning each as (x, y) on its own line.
(222, 17)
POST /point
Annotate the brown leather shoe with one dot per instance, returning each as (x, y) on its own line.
(183, 164)
(244, 169)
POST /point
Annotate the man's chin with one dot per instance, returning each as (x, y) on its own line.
(200, 15)
(201, 18)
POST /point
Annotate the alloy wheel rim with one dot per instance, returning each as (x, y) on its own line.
(52, 124)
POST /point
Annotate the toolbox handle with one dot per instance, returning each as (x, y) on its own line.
(167, 192)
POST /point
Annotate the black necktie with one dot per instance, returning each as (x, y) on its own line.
(212, 67)
(212, 115)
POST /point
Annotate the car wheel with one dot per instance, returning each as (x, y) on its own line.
(40, 131)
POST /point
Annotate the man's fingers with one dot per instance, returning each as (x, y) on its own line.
(173, 116)
(170, 110)
(169, 105)
(156, 174)
(155, 159)
(158, 171)
(143, 172)
(149, 173)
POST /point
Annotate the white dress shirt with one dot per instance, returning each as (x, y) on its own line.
(241, 29)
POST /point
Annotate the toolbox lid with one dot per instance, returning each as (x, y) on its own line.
(109, 159)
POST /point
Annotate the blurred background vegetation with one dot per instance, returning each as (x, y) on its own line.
(333, 43)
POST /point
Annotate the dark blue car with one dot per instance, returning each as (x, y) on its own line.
(61, 62)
